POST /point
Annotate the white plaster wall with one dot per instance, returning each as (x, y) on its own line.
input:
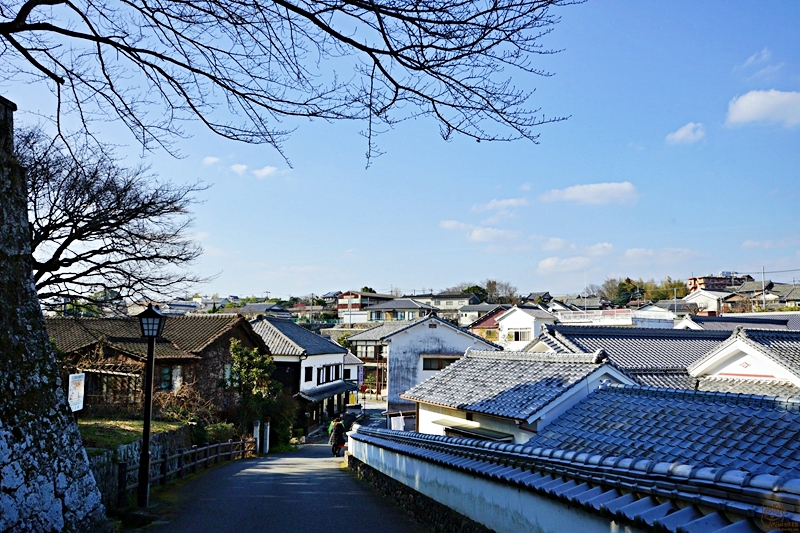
(316, 361)
(745, 365)
(406, 347)
(517, 319)
(500, 507)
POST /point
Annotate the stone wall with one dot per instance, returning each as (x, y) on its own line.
(45, 480)
(432, 514)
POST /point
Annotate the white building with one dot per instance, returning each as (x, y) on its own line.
(520, 325)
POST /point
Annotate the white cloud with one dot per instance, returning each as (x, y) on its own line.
(208, 161)
(500, 204)
(768, 72)
(601, 248)
(453, 224)
(595, 193)
(480, 233)
(772, 107)
(568, 264)
(759, 57)
(239, 168)
(264, 172)
(554, 244)
(690, 133)
(525, 187)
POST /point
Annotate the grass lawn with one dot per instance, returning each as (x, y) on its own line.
(108, 433)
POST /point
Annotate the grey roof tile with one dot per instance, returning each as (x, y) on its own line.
(666, 425)
(636, 347)
(284, 337)
(505, 384)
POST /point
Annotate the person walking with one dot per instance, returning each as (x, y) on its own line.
(337, 439)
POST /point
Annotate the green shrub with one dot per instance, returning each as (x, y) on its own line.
(199, 434)
(298, 432)
(221, 432)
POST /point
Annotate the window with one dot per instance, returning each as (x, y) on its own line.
(165, 378)
(437, 302)
(327, 374)
(336, 372)
(401, 315)
(309, 373)
(347, 372)
(436, 363)
(411, 315)
(519, 335)
(448, 303)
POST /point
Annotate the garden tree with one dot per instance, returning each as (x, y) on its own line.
(477, 290)
(500, 292)
(251, 375)
(260, 397)
(365, 288)
(240, 68)
(99, 228)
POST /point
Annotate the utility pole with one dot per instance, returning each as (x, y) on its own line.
(763, 290)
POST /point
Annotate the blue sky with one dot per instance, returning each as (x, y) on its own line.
(681, 156)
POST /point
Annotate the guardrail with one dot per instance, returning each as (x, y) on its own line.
(197, 457)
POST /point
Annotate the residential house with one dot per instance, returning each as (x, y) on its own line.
(399, 310)
(447, 303)
(306, 312)
(507, 396)
(487, 326)
(309, 366)
(752, 361)
(617, 317)
(519, 325)
(536, 298)
(193, 349)
(671, 308)
(402, 354)
(351, 305)
(625, 458)
(468, 314)
(656, 357)
(271, 309)
(731, 322)
(583, 303)
(716, 283)
(707, 301)
(172, 308)
(721, 433)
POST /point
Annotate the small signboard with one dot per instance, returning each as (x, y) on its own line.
(75, 394)
(360, 374)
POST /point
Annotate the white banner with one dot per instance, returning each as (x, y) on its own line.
(75, 391)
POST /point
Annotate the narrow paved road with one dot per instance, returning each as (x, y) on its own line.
(303, 491)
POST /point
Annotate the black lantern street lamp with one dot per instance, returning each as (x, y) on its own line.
(152, 322)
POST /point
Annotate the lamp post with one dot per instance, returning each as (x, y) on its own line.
(152, 323)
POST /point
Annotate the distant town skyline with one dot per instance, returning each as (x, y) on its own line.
(680, 156)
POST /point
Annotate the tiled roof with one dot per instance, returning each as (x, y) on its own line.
(636, 493)
(632, 348)
(478, 307)
(388, 329)
(318, 394)
(533, 311)
(675, 378)
(379, 332)
(350, 359)
(766, 387)
(183, 336)
(728, 322)
(284, 337)
(751, 286)
(744, 432)
(505, 384)
(782, 346)
(400, 303)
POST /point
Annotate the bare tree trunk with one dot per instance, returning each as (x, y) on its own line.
(45, 480)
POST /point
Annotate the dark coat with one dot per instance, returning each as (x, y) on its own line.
(337, 435)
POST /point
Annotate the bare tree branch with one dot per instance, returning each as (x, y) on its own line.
(244, 67)
(97, 227)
